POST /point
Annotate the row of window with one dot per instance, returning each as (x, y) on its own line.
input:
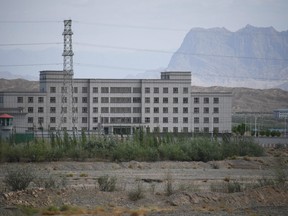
(155, 129)
(125, 120)
(206, 100)
(126, 110)
(30, 100)
(121, 90)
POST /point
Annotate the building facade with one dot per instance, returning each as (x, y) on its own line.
(118, 106)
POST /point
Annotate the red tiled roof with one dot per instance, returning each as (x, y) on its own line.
(6, 116)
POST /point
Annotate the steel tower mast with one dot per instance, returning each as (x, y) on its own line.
(67, 98)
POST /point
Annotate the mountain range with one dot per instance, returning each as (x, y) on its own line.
(250, 57)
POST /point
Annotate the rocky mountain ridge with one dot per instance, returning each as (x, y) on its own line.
(250, 57)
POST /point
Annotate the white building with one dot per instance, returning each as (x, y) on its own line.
(118, 105)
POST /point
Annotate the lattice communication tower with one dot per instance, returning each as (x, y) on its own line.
(67, 98)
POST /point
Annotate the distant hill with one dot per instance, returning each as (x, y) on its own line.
(18, 85)
(244, 99)
(250, 57)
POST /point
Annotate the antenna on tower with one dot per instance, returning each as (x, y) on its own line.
(67, 98)
(67, 52)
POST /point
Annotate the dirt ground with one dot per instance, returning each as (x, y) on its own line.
(195, 188)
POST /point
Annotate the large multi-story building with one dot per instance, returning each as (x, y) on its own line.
(115, 105)
(118, 105)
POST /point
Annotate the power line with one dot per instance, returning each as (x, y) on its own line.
(30, 65)
(28, 21)
(31, 44)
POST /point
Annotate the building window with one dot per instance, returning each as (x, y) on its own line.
(52, 109)
(156, 99)
(40, 100)
(136, 100)
(64, 119)
(104, 90)
(104, 99)
(175, 100)
(52, 120)
(63, 89)
(119, 100)
(40, 109)
(175, 129)
(165, 109)
(215, 110)
(165, 100)
(206, 130)
(185, 90)
(136, 90)
(216, 100)
(52, 99)
(136, 120)
(84, 100)
(165, 90)
(156, 90)
(19, 99)
(84, 120)
(185, 129)
(196, 100)
(63, 109)
(175, 120)
(156, 109)
(165, 119)
(185, 120)
(196, 130)
(95, 99)
(104, 109)
(105, 120)
(147, 100)
(185, 109)
(84, 110)
(156, 129)
(165, 129)
(185, 100)
(216, 120)
(95, 109)
(206, 100)
(196, 109)
(64, 99)
(147, 120)
(175, 90)
(30, 109)
(95, 90)
(74, 119)
(175, 109)
(120, 90)
(74, 109)
(30, 119)
(30, 99)
(147, 90)
(147, 109)
(136, 109)
(206, 120)
(84, 90)
(206, 110)
(52, 89)
(75, 89)
(215, 130)
(95, 119)
(75, 99)
(196, 120)
(156, 120)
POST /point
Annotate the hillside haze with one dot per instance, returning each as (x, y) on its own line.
(250, 57)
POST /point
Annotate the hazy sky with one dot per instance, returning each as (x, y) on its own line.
(127, 26)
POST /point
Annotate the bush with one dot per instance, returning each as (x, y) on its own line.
(138, 193)
(19, 178)
(107, 183)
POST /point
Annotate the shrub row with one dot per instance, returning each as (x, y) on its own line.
(147, 147)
